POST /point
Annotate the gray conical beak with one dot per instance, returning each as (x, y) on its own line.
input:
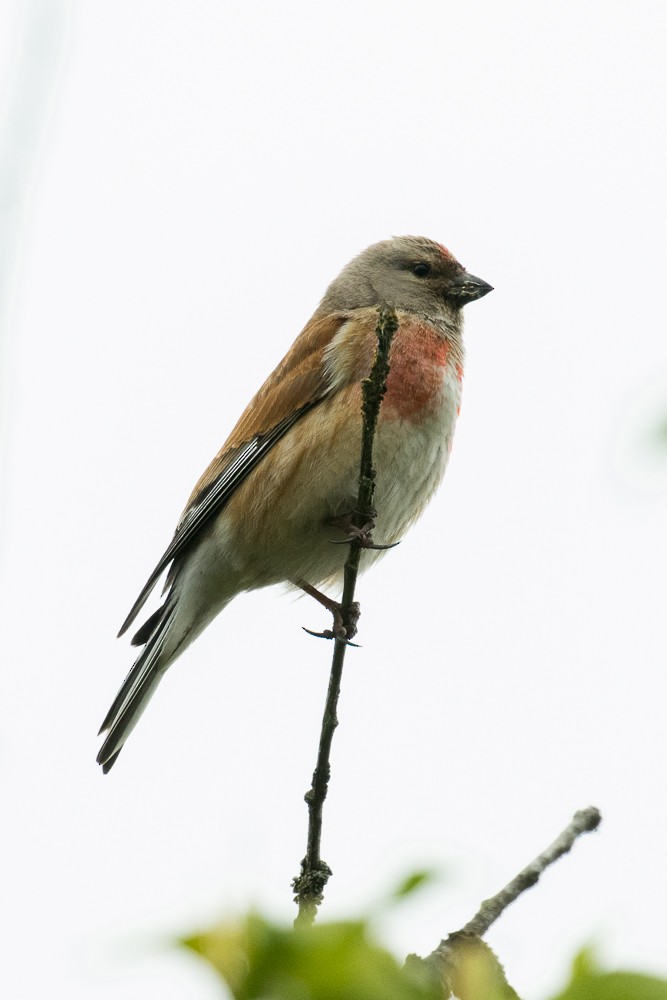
(466, 288)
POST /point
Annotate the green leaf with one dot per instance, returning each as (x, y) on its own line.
(331, 961)
(589, 982)
(473, 971)
(413, 882)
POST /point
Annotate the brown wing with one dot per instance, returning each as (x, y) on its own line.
(299, 383)
(299, 379)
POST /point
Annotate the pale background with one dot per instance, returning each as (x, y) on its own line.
(180, 182)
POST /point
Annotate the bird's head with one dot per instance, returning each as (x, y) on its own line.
(411, 273)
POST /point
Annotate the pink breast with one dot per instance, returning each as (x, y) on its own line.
(419, 358)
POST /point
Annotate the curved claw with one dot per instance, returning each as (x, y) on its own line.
(362, 543)
(328, 634)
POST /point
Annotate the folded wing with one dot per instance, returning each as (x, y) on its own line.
(299, 383)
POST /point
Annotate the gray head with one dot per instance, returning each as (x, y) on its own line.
(406, 272)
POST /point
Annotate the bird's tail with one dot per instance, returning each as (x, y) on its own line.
(139, 685)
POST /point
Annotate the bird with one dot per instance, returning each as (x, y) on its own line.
(284, 484)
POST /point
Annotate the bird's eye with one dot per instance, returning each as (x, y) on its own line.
(421, 270)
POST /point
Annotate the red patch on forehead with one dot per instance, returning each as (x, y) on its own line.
(445, 252)
(449, 258)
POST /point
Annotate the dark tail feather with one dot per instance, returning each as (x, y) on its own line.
(136, 690)
(141, 637)
(108, 764)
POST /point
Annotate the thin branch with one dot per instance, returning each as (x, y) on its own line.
(583, 821)
(309, 885)
(461, 958)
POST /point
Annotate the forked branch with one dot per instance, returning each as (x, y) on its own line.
(463, 964)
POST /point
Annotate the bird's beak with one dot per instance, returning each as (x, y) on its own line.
(466, 288)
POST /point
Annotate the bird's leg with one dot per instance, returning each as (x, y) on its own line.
(356, 532)
(344, 626)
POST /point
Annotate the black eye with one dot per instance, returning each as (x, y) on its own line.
(421, 270)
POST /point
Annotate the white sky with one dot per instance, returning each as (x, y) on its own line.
(182, 181)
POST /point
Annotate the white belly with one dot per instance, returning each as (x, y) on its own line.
(286, 537)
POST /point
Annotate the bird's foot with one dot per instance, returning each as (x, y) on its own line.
(361, 534)
(344, 621)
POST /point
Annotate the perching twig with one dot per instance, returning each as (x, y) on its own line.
(464, 951)
(582, 822)
(309, 885)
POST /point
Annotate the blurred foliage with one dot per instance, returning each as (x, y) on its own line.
(465, 967)
(260, 960)
(589, 982)
(660, 433)
(330, 961)
(412, 882)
